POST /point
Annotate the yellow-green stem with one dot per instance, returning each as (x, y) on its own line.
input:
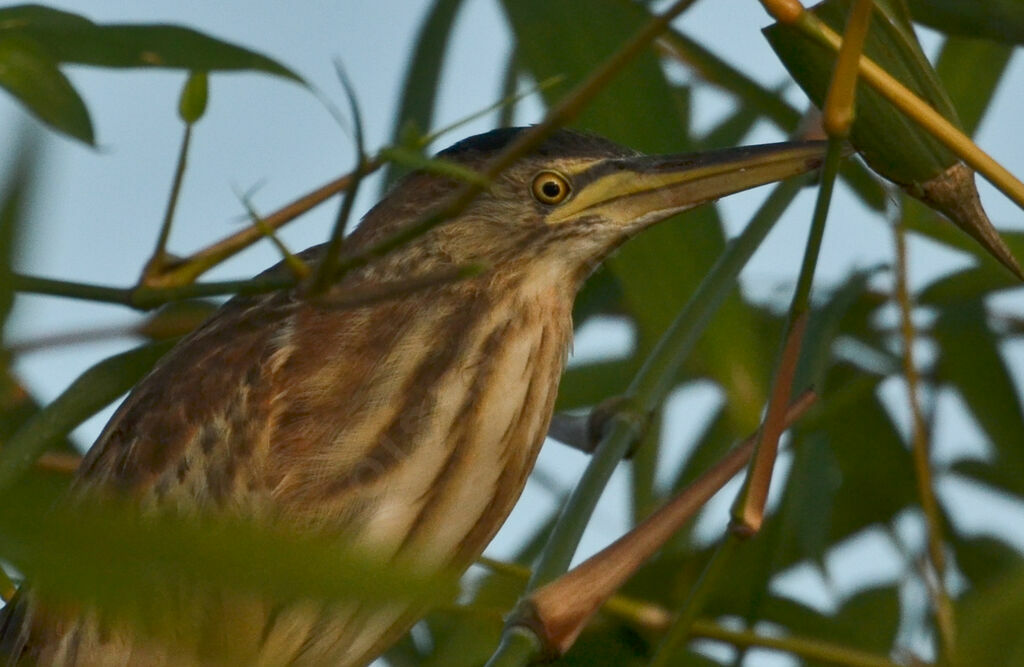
(837, 115)
(810, 649)
(679, 634)
(921, 451)
(748, 510)
(159, 257)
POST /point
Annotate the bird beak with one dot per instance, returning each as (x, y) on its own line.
(643, 190)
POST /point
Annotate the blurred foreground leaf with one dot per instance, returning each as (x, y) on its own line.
(989, 623)
(21, 169)
(130, 562)
(971, 362)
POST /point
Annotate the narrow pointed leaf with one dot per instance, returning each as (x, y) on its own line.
(71, 38)
(890, 142)
(30, 73)
(971, 70)
(18, 179)
(419, 90)
(1001, 20)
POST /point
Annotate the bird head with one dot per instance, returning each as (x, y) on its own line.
(571, 201)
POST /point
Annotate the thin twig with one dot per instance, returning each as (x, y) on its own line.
(325, 271)
(294, 263)
(362, 296)
(921, 451)
(159, 257)
(189, 268)
(811, 649)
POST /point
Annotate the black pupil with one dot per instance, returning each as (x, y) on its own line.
(551, 189)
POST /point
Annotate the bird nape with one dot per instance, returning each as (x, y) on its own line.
(407, 425)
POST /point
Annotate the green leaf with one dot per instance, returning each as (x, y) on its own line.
(609, 643)
(971, 70)
(176, 319)
(587, 385)
(891, 143)
(869, 620)
(970, 284)
(30, 74)
(871, 458)
(70, 38)
(601, 295)
(811, 488)
(985, 560)
(824, 326)
(988, 623)
(1001, 20)
(149, 567)
(21, 166)
(419, 90)
(89, 393)
(16, 407)
(970, 361)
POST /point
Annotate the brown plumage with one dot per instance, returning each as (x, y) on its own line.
(409, 424)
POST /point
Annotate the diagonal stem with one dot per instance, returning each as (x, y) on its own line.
(748, 510)
(941, 601)
(562, 608)
(160, 258)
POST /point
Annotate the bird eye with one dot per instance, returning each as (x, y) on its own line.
(550, 188)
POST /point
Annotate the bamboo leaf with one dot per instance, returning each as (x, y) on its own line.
(71, 38)
(150, 567)
(30, 74)
(971, 70)
(21, 173)
(985, 560)
(970, 361)
(888, 140)
(419, 90)
(1001, 20)
(970, 284)
(989, 623)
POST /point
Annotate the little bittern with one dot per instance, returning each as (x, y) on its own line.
(408, 424)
